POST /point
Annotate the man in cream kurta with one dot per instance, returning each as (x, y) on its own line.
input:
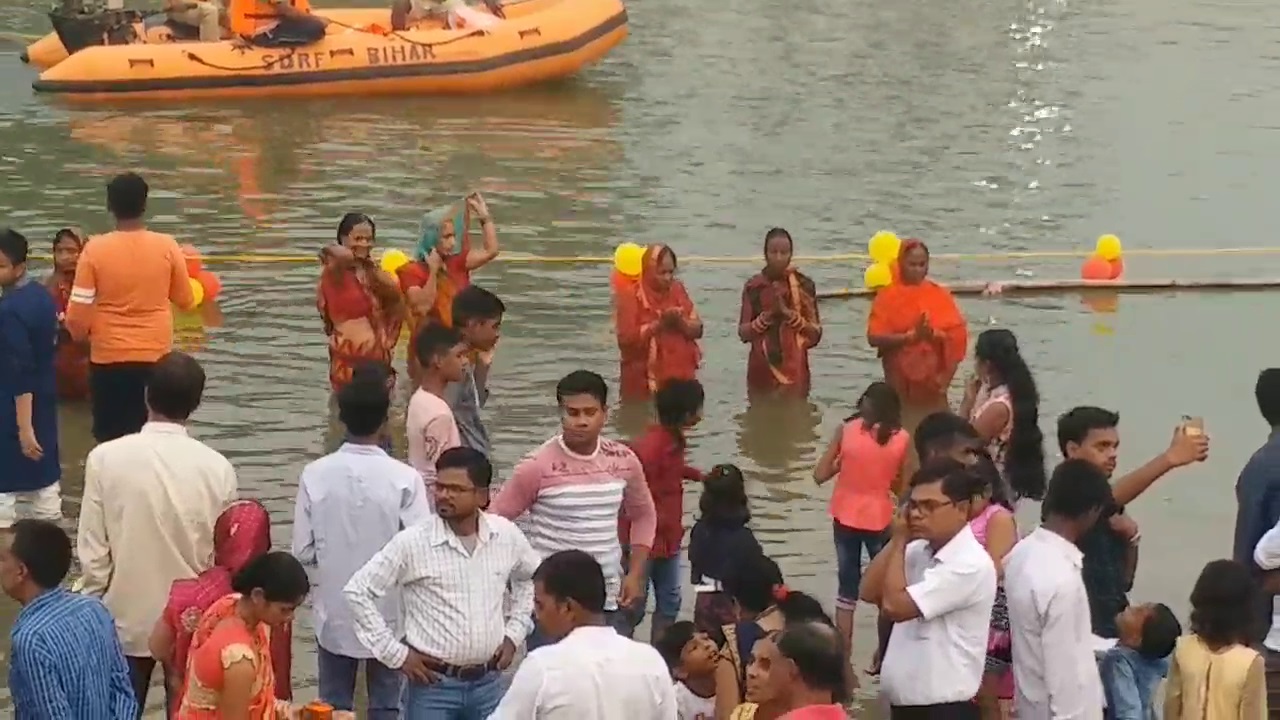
(150, 502)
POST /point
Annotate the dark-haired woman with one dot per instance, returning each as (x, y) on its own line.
(658, 328)
(1214, 674)
(866, 457)
(359, 303)
(720, 537)
(229, 672)
(71, 363)
(993, 525)
(779, 319)
(1002, 403)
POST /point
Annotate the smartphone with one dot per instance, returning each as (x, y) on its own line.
(1192, 425)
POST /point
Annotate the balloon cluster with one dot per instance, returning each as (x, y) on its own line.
(1106, 262)
(883, 249)
(628, 261)
(205, 285)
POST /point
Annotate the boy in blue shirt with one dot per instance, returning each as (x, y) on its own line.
(1132, 670)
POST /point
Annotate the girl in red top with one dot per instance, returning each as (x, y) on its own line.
(866, 457)
(661, 451)
(71, 363)
(658, 328)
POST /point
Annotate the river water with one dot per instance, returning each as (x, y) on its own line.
(979, 126)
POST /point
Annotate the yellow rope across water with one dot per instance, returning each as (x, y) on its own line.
(269, 258)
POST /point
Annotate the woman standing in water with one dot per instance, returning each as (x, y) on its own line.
(28, 400)
(440, 268)
(779, 319)
(71, 363)
(920, 334)
(658, 328)
(1002, 403)
(359, 303)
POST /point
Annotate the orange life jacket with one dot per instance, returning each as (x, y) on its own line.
(250, 17)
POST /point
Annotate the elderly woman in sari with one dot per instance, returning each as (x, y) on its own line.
(779, 319)
(241, 533)
(658, 328)
(920, 334)
(71, 362)
(359, 303)
(229, 670)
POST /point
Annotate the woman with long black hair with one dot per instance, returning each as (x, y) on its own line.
(1003, 404)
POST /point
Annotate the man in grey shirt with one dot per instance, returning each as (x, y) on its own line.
(477, 314)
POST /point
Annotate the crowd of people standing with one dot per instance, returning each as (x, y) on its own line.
(433, 578)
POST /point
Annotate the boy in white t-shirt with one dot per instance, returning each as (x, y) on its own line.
(429, 424)
(691, 656)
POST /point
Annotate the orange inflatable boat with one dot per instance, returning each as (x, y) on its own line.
(49, 50)
(537, 41)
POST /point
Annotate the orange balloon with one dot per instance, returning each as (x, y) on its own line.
(619, 282)
(210, 282)
(194, 263)
(1095, 268)
(1117, 268)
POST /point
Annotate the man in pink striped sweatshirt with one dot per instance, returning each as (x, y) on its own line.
(573, 487)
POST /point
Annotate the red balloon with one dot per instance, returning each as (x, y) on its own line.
(194, 264)
(1095, 268)
(1117, 269)
(211, 284)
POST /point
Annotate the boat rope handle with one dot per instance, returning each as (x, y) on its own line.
(397, 34)
(265, 65)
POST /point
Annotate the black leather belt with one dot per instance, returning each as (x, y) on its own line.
(462, 672)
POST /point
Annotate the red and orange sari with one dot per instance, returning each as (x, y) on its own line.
(779, 358)
(922, 370)
(220, 640)
(71, 361)
(652, 352)
(363, 312)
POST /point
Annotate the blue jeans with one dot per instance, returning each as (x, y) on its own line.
(338, 684)
(664, 578)
(453, 699)
(616, 619)
(849, 545)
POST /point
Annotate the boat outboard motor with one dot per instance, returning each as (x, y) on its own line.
(82, 24)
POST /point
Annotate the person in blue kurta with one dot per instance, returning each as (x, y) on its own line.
(65, 662)
(28, 388)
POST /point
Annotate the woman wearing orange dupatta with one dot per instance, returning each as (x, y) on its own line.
(920, 333)
(71, 362)
(780, 320)
(359, 303)
(658, 328)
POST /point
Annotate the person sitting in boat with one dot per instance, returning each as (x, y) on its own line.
(454, 13)
(276, 23)
(199, 15)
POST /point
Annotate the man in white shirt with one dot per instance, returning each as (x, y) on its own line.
(938, 590)
(351, 503)
(150, 502)
(590, 671)
(452, 572)
(1054, 668)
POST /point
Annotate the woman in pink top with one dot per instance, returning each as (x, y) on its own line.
(993, 525)
(865, 457)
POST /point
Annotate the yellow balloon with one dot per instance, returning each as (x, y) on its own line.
(878, 275)
(628, 259)
(1108, 248)
(884, 247)
(393, 260)
(197, 291)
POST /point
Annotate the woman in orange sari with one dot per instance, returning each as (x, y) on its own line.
(658, 328)
(229, 671)
(359, 303)
(71, 363)
(779, 319)
(920, 333)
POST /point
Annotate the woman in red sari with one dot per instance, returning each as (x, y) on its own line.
(71, 363)
(920, 334)
(658, 328)
(779, 319)
(359, 303)
(242, 533)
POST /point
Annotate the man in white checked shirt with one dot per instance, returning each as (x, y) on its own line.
(452, 572)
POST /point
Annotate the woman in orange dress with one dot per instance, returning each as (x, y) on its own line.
(920, 333)
(359, 303)
(71, 363)
(229, 671)
(779, 319)
(658, 328)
